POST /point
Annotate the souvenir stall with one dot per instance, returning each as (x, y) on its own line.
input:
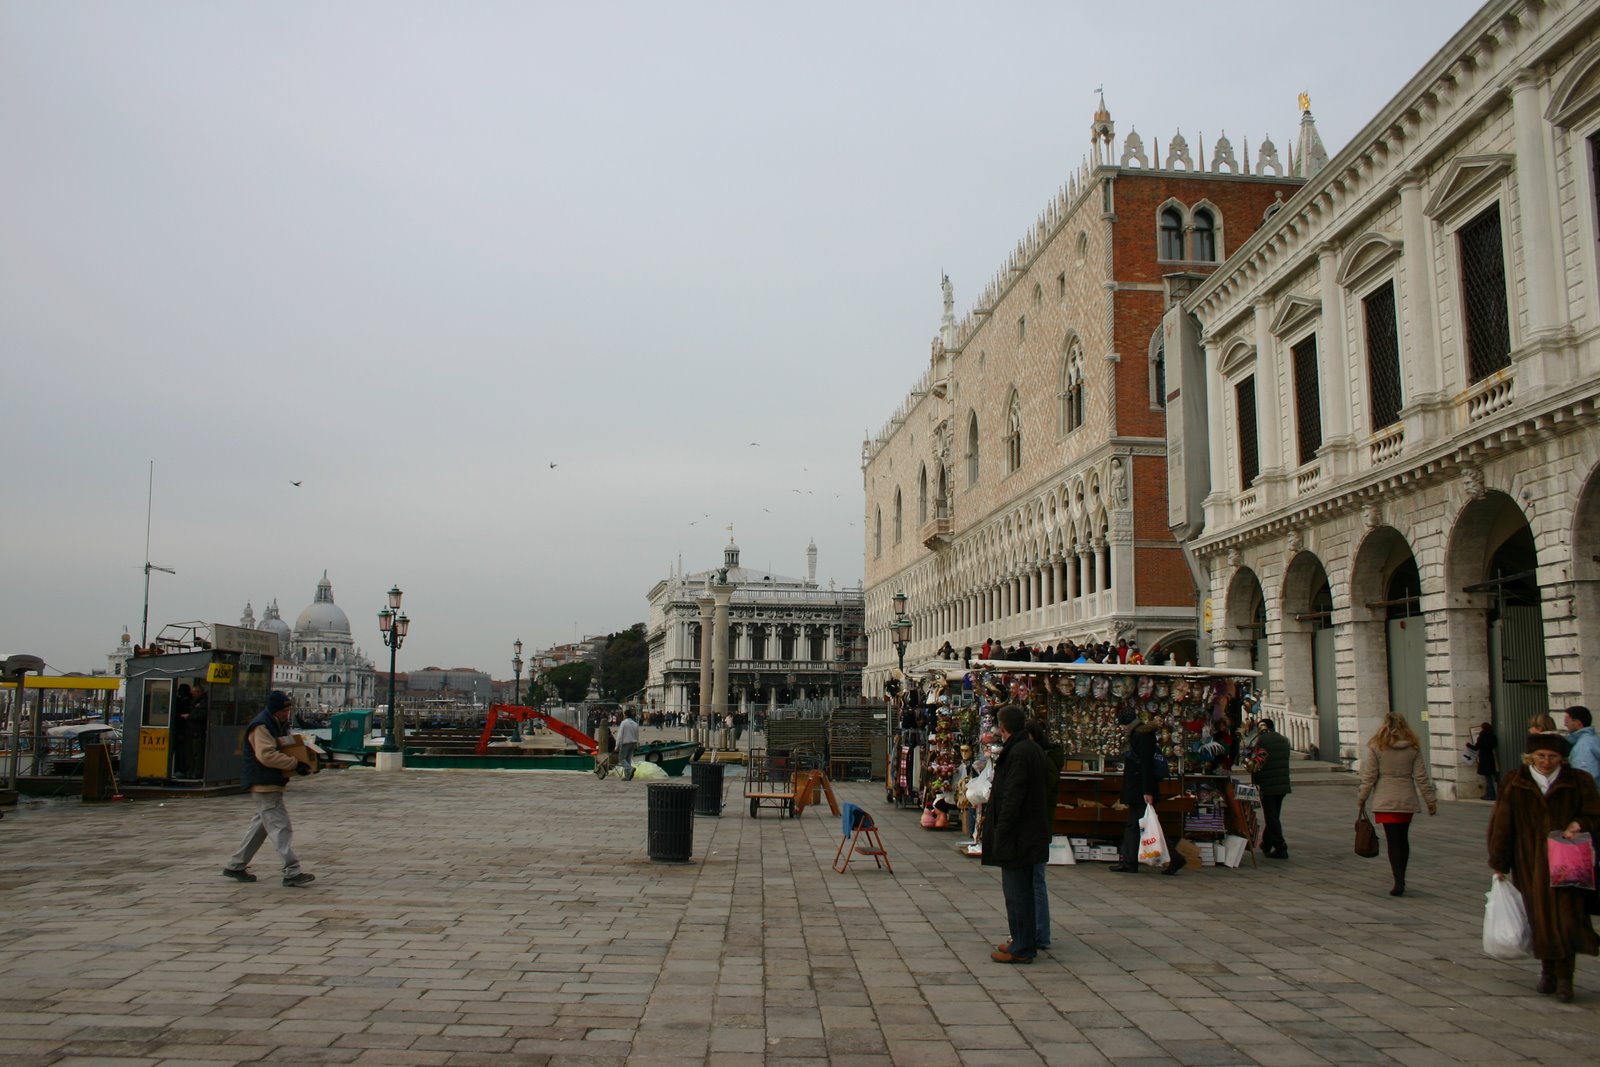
(1198, 711)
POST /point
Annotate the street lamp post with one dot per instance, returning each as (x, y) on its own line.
(516, 666)
(394, 625)
(901, 630)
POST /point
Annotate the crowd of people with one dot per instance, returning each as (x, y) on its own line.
(1124, 651)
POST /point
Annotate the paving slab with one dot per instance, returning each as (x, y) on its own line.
(515, 918)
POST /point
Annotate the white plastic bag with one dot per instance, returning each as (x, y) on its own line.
(1506, 933)
(978, 789)
(645, 771)
(1152, 842)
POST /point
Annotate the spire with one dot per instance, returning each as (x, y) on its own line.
(1102, 132)
(324, 590)
(1311, 156)
(811, 562)
(947, 324)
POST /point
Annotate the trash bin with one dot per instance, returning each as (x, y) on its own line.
(669, 821)
(707, 779)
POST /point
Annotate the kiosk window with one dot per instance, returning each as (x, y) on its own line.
(157, 702)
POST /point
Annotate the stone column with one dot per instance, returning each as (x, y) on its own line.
(1269, 415)
(1334, 377)
(1215, 503)
(1541, 261)
(1419, 345)
(706, 605)
(1100, 559)
(721, 596)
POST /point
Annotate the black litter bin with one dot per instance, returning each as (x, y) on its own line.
(707, 779)
(670, 821)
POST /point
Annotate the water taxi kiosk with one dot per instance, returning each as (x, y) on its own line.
(190, 696)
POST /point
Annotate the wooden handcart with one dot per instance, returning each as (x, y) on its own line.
(789, 781)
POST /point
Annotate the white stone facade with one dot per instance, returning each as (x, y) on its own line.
(1417, 529)
(778, 627)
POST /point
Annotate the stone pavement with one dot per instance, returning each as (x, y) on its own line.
(513, 918)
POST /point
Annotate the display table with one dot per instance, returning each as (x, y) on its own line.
(1086, 807)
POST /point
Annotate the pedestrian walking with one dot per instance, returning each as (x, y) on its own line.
(1271, 779)
(1140, 785)
(1585, 755)
(1394, 776)
(1486, 748)
(1016, 835)
(627, 744)
(1542, 723)
(266, 775)
(1544, 798)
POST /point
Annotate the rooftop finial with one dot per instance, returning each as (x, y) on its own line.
(1305, 102)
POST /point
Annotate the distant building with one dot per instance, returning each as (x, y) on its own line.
(1018, 491)
(789, 638)
(319, 664)
(455, 685)
(1391, 409)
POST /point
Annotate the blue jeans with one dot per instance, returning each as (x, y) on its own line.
(1017, 885)
(1041, 908)
(625, 752)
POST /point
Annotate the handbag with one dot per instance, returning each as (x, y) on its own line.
(1366, 837)
(1571, 862)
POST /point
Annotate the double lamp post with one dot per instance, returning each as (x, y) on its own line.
(394, 625)
(516, 666)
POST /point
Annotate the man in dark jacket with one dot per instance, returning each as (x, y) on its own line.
(1016, 831)
(1272, 779)
(1140, 784)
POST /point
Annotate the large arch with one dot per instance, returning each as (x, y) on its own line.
(1382, 565)
(1243, 642)
(1495, 624)
(1309, 689)
(1585, 598)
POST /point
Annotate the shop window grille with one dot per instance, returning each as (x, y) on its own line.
(1307, 399)
(1383, 357)
(1244, 397)
(1483, 295)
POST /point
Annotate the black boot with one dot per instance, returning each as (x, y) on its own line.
(1564, 979)
(1547, 977)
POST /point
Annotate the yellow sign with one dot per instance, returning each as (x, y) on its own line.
(220, 673)
(152, 753)
(1205, 615)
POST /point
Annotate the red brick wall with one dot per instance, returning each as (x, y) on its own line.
(1163, 577)
(1137, 314)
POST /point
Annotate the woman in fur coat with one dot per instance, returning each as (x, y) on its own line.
(1544, 797)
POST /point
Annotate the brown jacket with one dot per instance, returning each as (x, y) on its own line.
(1522, 822)
(1393, 777)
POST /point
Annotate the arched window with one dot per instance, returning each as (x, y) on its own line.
(1105, 550)
(922, 495)
(1171, 234)
(899, 515)
(1204, 244)
(1071, 393)
(877, 531)
(1014, 433)
(972, 448)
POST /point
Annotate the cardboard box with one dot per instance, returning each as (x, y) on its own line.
(294, 746)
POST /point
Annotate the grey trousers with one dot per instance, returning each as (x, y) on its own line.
(271, 819)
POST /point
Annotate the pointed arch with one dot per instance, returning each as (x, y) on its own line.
(1172, 219)
(1069, 415)
(972, 448)
(1013, 439)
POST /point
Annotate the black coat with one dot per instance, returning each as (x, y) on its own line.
(1139, 765)
(1016, 831)
(1273, 777)
(1486, 746)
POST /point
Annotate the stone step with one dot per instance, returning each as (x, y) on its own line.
(1318, 772)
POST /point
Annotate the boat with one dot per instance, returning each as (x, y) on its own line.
(538, 742)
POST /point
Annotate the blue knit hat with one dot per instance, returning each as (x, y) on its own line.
(277, 700)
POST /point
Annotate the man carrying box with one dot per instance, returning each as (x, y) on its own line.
(266, 776)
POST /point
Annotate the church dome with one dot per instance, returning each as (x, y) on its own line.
(323, 615)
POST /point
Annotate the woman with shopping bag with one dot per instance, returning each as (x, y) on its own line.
(1544, 799)
(1394, 776)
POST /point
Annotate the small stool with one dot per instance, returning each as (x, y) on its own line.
(860, 839)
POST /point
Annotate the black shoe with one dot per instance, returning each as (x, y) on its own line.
(1277, 853)
(240, 875)
(295, 881)
(1124, 868)
(1398, 891)
(1178, 863)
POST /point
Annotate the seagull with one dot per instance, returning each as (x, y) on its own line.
(552, 466)
(294, 483)
(767, 510)
(754, 444)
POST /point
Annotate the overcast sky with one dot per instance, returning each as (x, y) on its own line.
(413, 254)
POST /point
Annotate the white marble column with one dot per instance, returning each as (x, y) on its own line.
(1541, 258)
(1419, 356)
(721, 595)
(707, 607)
(1334, 377)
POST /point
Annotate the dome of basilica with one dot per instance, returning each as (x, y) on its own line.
(323, 615)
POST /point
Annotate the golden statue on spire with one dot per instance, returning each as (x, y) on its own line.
(1305, 102)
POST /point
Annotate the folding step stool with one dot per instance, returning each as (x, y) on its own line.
(860, 839)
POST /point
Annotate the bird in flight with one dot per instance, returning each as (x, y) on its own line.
(294, 483)
(754, 444)
(552, 466)
(767, 510)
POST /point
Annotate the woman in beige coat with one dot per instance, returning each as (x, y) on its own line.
(1394, 775)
